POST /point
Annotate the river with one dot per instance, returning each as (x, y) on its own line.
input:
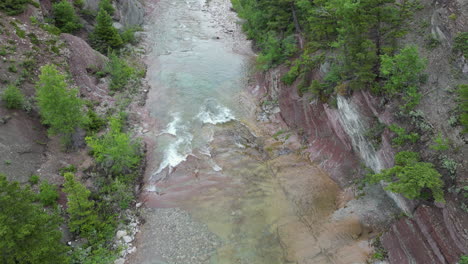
(219, 187)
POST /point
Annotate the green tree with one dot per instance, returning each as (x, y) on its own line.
(48, 194)
(410, 177)
(13, 97)
(81, 210)
(463, 105)
(13, 7)
(120, 72)
(105, 35)
(29, 234)
(107, 5)
(59, 106)
(115, 150)
(65, 17)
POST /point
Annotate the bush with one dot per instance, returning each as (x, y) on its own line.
(120, 72)
(65, 17)
(95, 122)
(461, 43)
(464, 259)
(13, 7)
(463, 105)
(401, 136)
(403, 75)
(411, 177)
(59, 106)
(441, 143)
(13, 97)
(115, 150)
(48, 194)
(34, 179)
(128, 35)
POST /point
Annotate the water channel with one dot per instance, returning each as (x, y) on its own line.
(219, 189)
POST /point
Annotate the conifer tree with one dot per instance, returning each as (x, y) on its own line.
(105, 35)
(65, 17)
(28, 233)
(107, 5)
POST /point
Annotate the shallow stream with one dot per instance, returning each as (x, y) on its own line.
(219, 189)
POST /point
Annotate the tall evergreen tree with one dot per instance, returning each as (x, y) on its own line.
(65, 17)
(29, 235)
(13, 7)
(105, 35)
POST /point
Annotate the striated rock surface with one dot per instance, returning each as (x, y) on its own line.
(131, 12)
(433, 235)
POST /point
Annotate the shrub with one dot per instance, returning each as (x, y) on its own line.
(128, 35)
(13, 97)
(441, 143)
(95, 122)
(105, 35)
(115, 150)
(48, 194)
(464, 259)
(65, 17)
(34, 179)
(410, 177)
(59, 106)
(401, 136)
(403, 75)
(13, 7)
(120, 72)
(461, 43)
(463, 105)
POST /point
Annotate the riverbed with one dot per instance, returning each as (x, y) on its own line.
(221, 186)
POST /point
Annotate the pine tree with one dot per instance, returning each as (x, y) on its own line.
(28, 233)
(59, 106)
(107, 5)
(13, 7)
(65, 17)
(83, 217)
(105, 35)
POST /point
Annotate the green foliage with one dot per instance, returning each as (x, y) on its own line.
(95, 122)
(34, 179)
(463, 259)
(13, 97)
(65, 17)
(128, 35)
(79, 3)
(105, 35)
(60, 107)
(83, 218)
(411, 177)
(107, 5)
(120, 72)
(401, 136)
(70, 168)
(441, 143)
(29, 234)
(115, 150)
(13, 7)
(403, 73)
(461, 43)
(449, 164)
(463, 105)
(48, 194)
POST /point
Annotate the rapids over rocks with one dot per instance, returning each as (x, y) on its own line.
(218, 187)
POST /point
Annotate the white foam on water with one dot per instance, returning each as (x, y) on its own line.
(213, 113)
(176, 153)
(173, 126)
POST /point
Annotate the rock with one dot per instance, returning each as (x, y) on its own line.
(433, 235)
(138, 205)
(119, 261)
(121, 233)
(127, 239)
(131, 12)
(131, 250)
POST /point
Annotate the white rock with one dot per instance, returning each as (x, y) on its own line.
(121, 233)
(127, 239)
(138, 205)
(131, 250)
(119, 261)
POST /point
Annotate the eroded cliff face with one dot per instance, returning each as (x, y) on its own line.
(434, 234)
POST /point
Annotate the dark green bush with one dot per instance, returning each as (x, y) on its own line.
(48, 194)
(461, 43)
(105, 35)
(463, 105)
(120, 72)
